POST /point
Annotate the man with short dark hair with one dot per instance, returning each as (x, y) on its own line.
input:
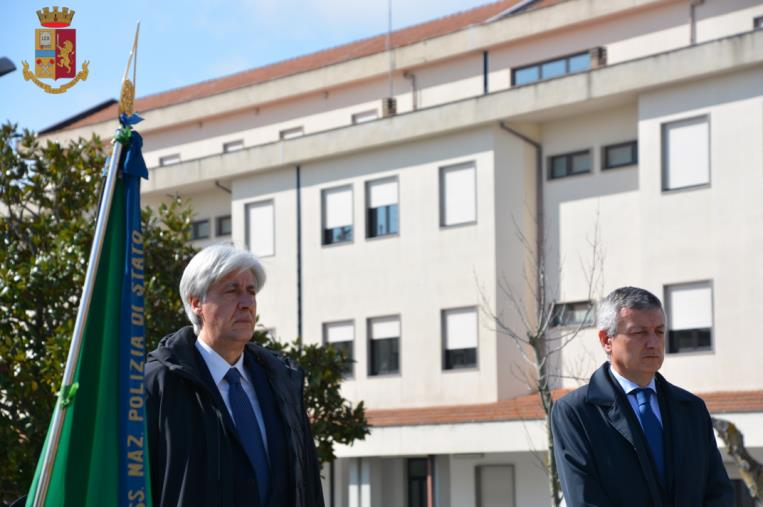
(226, 418)
(629, 437)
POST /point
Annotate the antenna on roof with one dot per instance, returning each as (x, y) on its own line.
(388, 45)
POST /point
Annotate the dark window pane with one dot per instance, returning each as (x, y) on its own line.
(687, 340)
(345, 348)
(223, 226)
(526, 75)
(200, 229)
(553, 69)
(337, 235)
(417, 467)
(417, 482)
(382, 221)
(579, 62)
(581, 163)
(460, 358)
(385, 356)
(572, 314)
(558, 167)
(620, 155)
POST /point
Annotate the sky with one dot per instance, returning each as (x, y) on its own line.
(185, 42)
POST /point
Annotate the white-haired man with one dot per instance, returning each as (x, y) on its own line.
(226, 418)
(629, 437)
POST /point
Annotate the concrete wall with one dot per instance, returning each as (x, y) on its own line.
(277, 304)
(415, 275)
(713, 232)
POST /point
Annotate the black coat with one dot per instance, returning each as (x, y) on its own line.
(601, 452)
(195, 457)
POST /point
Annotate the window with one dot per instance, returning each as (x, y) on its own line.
(417, 482)
(458, 195)
(341, 336)
(291, 133)
(620, 155)
(200, 229)
(459, 327)
(573, 314)
(550, 69)
(365, 116)
(223, 226)
(685, 153)
(382, 212)
(337, 215)
(260, 228)
(169, 159)
(384, 346)
(757, 23)
(690, 317)
(569, 164)
(495, 485)
(233, 146)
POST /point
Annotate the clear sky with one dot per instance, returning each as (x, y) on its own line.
(185, 42)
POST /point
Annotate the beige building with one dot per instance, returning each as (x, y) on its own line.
(391, 193)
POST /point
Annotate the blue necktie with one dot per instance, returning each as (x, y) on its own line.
(652, 429)
(249, 432)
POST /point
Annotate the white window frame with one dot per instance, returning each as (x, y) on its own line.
(702, 284)
(443, 197)
(324, 210)
(444, 329)
(665, 151)
(352, 359)
(365, 116)
(291, 133)
(368, 185)
(232, 146)
(218, 221)
(370, 338)
(247, 226)
(171, 159)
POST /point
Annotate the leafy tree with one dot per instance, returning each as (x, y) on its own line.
(48, 199)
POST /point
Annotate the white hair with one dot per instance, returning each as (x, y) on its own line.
(211, 264)
(625, 297)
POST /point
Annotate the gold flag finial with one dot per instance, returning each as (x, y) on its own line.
(127, 94)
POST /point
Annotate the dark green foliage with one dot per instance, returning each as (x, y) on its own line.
(333, 419)
(48, 199)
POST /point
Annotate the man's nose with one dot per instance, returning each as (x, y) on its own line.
(246, 300)
(652, 339)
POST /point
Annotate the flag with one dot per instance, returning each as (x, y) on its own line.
(102, 453)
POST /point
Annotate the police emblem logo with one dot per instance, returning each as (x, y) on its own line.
(55, 51)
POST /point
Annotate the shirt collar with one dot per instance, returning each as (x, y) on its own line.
(628, 385)
(218, 366)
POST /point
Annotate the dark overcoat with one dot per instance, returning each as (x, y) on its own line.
(196, 457)
(602, 457)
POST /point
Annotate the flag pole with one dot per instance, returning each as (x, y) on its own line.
(67, 388)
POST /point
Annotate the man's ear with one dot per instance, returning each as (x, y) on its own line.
(195, 305)
(605, 340)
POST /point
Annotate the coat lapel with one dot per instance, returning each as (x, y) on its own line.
(606, 393)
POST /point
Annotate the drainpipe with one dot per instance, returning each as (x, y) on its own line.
(221, 187)
(299, 254)
(484, 72)
(414, 89)
(693, 20)
(538, 192)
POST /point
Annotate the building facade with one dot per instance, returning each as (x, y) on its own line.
(397, 210)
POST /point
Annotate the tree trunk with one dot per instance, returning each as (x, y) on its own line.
(750, 469)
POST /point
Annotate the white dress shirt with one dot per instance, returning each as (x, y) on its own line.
(218, 367)
(629, 386)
